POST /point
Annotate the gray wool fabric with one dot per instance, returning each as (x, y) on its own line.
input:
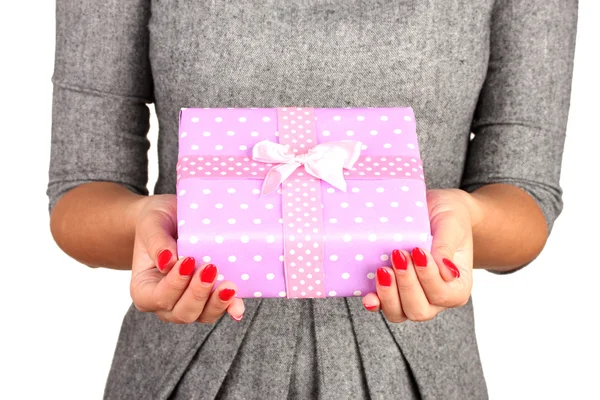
(500, 69)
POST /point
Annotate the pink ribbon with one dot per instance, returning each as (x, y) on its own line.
(242, 167)
(325, 161)
(302, 214)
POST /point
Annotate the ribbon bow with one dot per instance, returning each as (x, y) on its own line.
(325, 161)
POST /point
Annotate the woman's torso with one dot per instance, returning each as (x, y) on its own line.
(429, 55)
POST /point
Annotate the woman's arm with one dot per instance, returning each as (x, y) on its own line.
(95, 224)
(102, 82)
(509, 229)
(100, 214)
(514, 160)
(512, 195)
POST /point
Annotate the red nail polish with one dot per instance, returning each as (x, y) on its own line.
(384, 277)
(238, 319)
(164, 256)
(226, 294)
(399, 260)
(371, 308)
(419, 257)
(452, 267)
(187, 267)
(208, 274)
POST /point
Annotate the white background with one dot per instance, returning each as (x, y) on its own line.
(538, 329)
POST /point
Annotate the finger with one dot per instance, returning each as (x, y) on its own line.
(371, 302)
(156, 231)
(171, 287)
(438, 291)
(236, 309)
(413, 300)
(218, 302)
(388, 295)
(191, 303)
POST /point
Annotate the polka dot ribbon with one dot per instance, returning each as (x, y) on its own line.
(302, 213)
(301, 204)
(366, 167)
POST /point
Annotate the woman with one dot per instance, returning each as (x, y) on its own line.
(499, 69)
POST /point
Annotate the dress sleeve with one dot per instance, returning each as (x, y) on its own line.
(520, 120)
(102, 82)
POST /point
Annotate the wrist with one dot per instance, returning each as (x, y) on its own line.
(133, 209)
(476, 207)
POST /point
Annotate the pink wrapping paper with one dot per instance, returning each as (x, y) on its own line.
(344, 236)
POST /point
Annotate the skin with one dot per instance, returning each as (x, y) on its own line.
(498, 227)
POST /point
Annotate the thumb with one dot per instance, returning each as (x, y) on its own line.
(452, 246)
(447, 237)
(155, 235)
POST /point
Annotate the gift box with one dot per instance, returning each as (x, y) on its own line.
(299, 202)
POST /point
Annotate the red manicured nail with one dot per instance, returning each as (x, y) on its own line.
(208, 274)
(164, 256)
(419, 257)
(226, 294)
(238, 319)
(399, 260)
(384, 277)
(452, 267)
(187, 267)
(371, 308)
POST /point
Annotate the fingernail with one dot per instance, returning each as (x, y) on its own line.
(419, 257)
(399, 260)
(371, 308)
(187, 267)
(226, 294)
(452, 267)
(164, 256)
(238, 319)
(208, 274)
(384, 277)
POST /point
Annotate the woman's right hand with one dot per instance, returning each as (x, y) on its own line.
(174, 289)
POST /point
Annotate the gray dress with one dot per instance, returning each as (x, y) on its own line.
(500, 69)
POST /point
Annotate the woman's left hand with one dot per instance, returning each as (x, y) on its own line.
(422, 284)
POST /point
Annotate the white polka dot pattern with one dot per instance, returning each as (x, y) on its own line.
(372, 168)
(366, 167)
(302, 215)
(219, 167)
(223, 218)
